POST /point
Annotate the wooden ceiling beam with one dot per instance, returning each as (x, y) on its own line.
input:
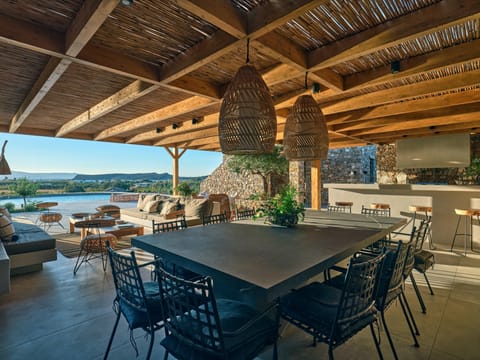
(126, 95)
(288, 53)
(280, 73)
(420, 121)
(176, 140)
(441, 15)
(205, 122)
(262, 20)
(266, 18)
(354, 119)
(464, 127)
(91, 16)
(431, 61)
(220, 13)
(154, 117)
(38, 39)
(428, 87)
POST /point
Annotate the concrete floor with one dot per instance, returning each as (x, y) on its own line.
(52, 314)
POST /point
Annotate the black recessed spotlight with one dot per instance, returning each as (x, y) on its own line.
(174, 126)
(159, 130)
(395, 67)
(195, 121)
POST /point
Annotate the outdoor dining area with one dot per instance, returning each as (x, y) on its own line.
(387, 268)
(246, 267)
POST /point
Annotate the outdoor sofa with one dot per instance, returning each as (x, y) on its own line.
(162, 208)
(28, 249)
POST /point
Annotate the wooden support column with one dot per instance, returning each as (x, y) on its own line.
(176, 155)
(316, 184)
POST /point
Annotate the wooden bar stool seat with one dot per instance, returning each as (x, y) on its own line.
(467, 215)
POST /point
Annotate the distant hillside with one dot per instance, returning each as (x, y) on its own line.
(41, 176)
(132, 177)
(96, 177)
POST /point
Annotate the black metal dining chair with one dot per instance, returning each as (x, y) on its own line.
(169, 226)
(244, 214)
(160, 227)
(332, 315)
(385, 212)
(199, 326)
(215, 219)
(137, 301)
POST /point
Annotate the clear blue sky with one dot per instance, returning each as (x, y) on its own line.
(44, 154)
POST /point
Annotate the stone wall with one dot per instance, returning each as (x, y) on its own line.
(387, 172)
(224, 181)
(241, 186)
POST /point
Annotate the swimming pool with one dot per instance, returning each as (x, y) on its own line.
(60, 198)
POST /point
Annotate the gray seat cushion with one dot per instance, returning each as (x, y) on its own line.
(30, 238)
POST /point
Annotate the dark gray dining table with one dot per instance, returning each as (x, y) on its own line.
(255, 262)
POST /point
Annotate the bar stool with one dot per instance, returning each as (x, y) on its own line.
(425, 211)
(468, 215)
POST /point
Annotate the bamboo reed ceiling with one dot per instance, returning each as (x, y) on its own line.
(98, 70)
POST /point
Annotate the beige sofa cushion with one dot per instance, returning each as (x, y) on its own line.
(7, 231)
(152, 206)
(169, 206)
(197, 207)
(4, 211)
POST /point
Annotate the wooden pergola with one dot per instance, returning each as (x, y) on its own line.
(154, 72)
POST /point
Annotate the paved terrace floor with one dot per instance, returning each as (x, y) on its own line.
(52, 314)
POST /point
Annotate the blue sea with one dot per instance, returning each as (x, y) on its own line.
(60, 198)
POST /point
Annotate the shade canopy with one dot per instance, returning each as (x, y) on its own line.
(306, 134)
(247, 122)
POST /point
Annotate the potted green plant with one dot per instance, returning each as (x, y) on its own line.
(184, 189)
(283, 209)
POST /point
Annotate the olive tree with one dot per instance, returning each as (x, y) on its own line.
(265, 165)
(24, 188)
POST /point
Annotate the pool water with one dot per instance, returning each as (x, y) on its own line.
(60, 198)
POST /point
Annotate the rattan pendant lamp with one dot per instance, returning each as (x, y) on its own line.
(4, 168)
(305, 134)
(247, 123)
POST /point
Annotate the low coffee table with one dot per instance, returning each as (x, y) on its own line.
(120, 231)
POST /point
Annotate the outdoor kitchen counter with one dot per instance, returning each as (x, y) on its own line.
(442, 198)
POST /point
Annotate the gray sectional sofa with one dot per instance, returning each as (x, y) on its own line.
(32, 248)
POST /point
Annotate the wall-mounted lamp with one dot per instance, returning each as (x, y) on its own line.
(395, 67)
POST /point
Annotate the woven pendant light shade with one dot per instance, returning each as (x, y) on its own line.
(4, 168)
(305, 134)
(247, 123)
